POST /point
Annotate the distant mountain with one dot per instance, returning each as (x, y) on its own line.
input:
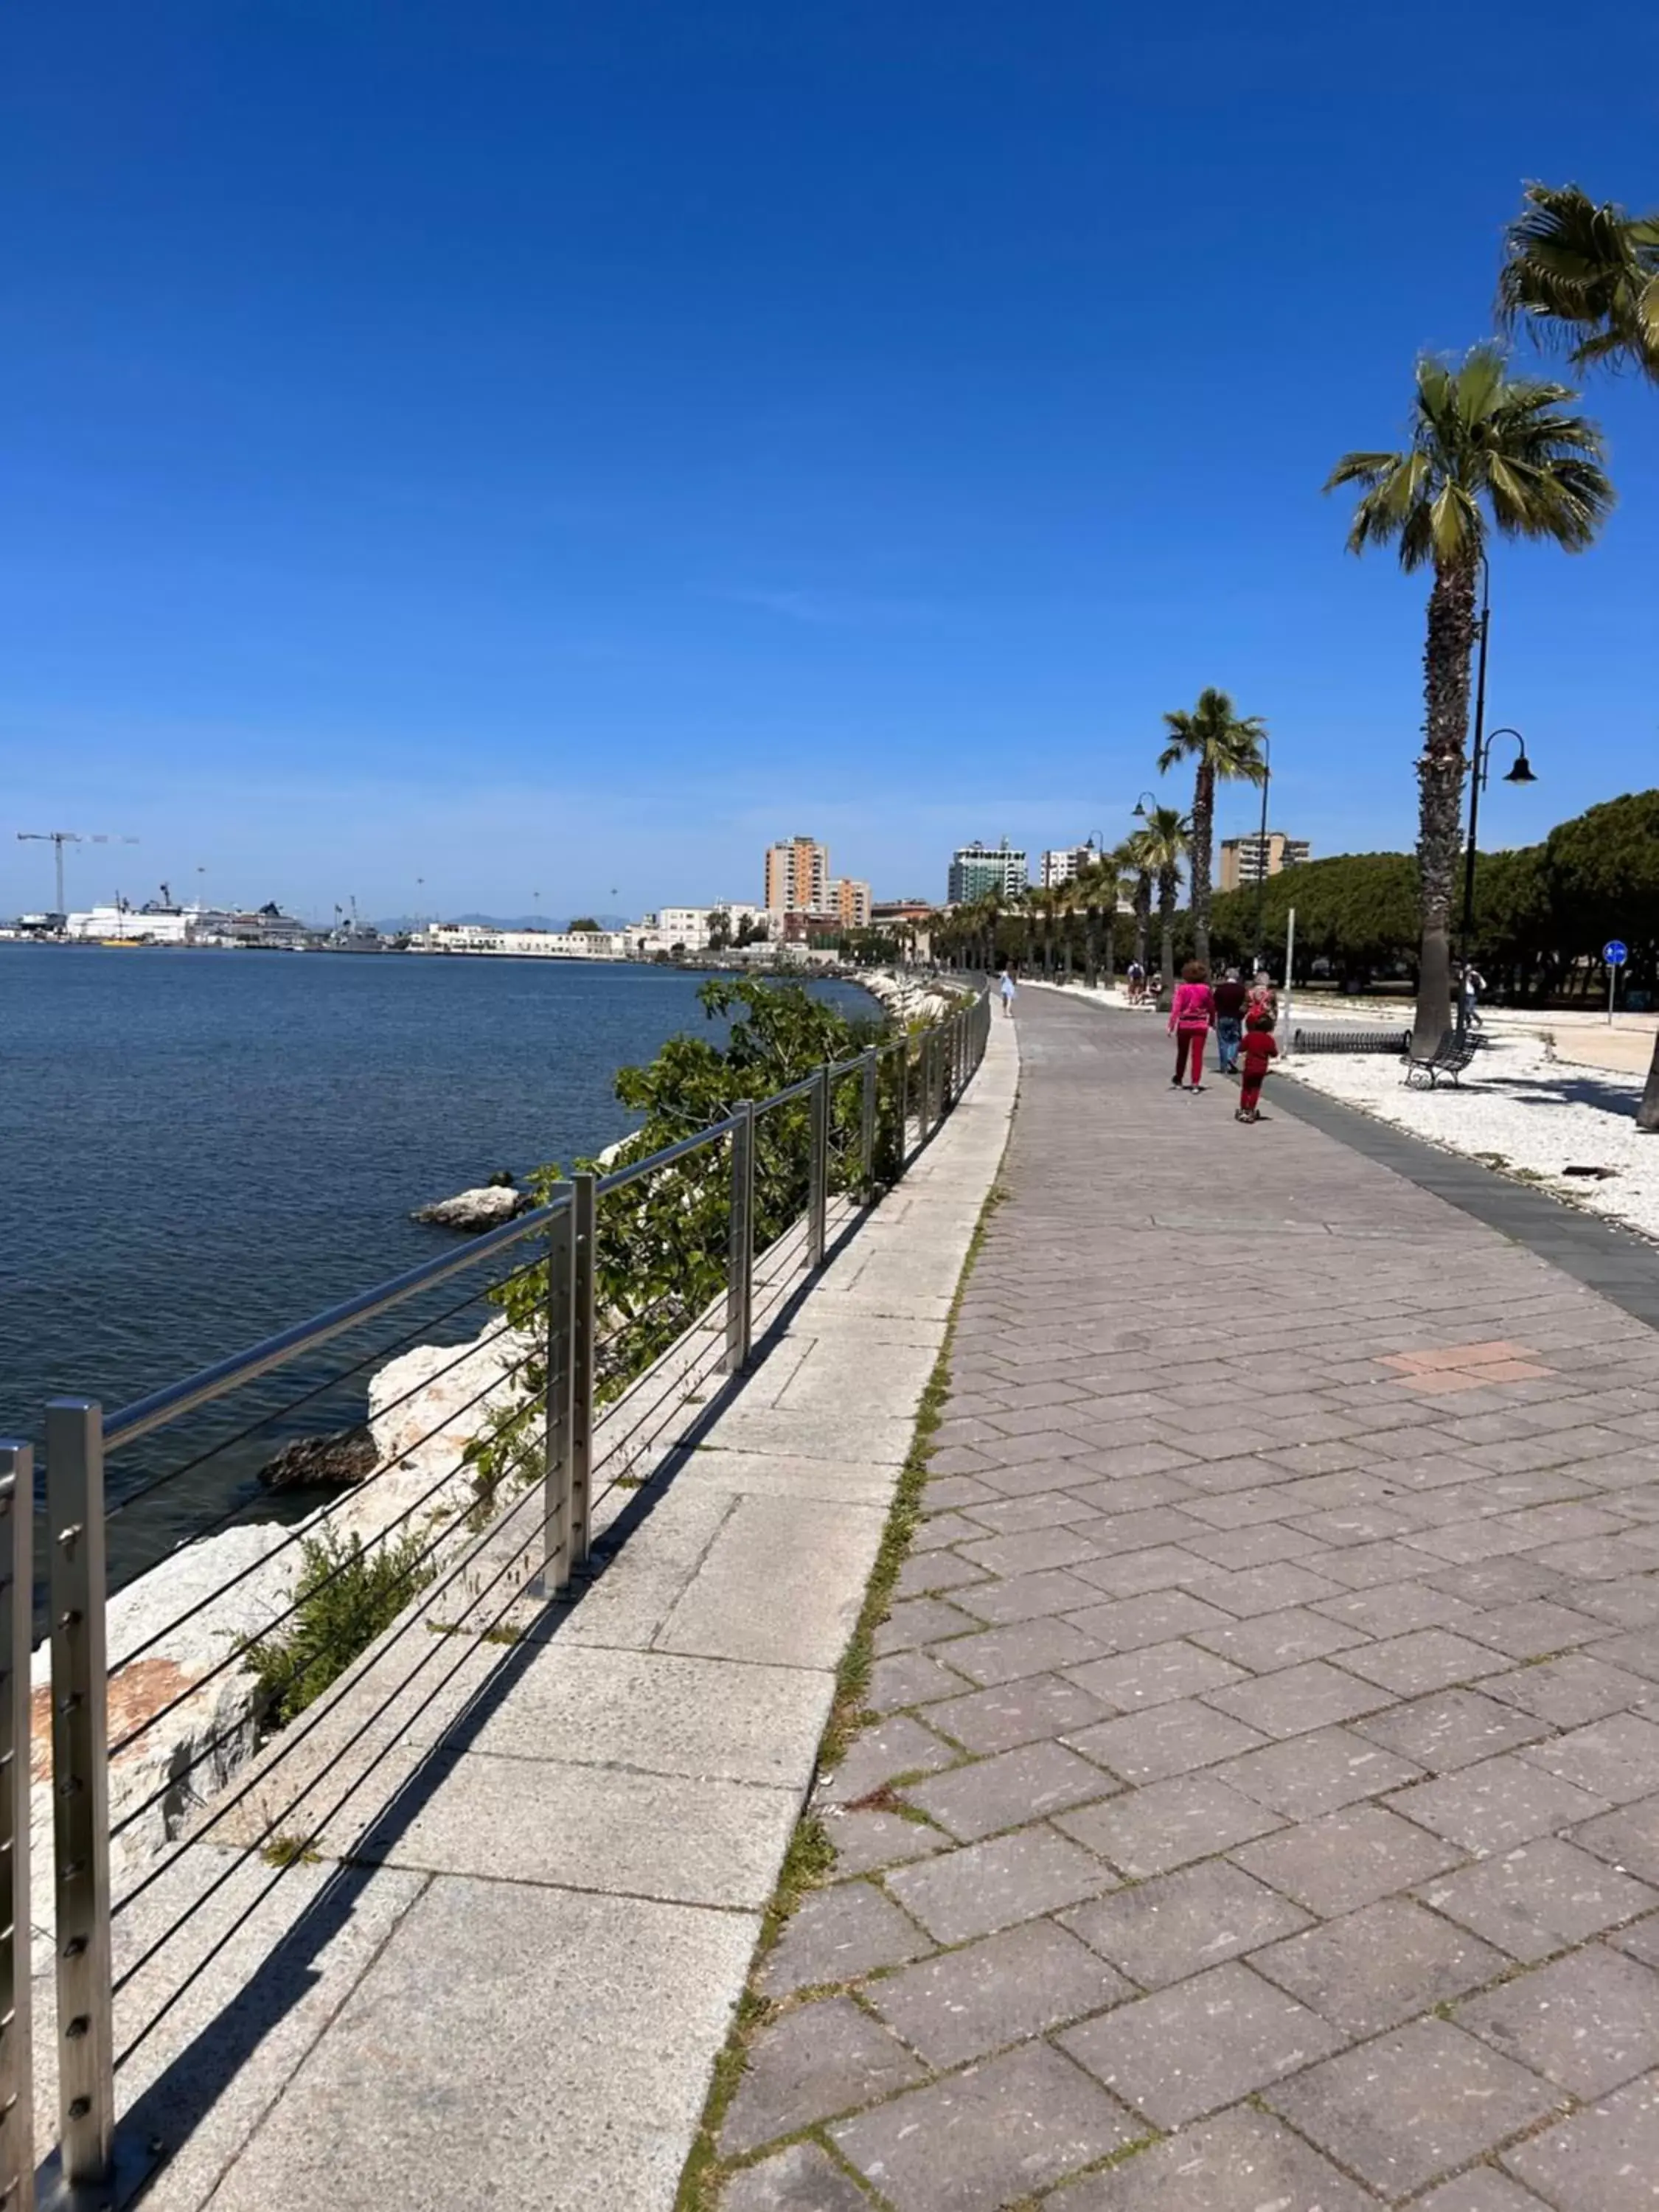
(399, 923)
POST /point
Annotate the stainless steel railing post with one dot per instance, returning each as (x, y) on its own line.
(16, 2021)
(80, 1787)
(740, 1262)
(868, 1123)
(817, 1170)
(903, 1103)
(559, 1411)
(585, 1230)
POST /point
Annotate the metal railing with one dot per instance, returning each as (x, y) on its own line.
(1321, 1038)
(588, 1375)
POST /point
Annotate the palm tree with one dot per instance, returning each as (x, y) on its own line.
(1224, 747)
(1481, 440)
(1588, 276)
(1161, 847)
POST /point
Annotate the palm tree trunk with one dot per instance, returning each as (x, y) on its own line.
(1198, 855)
(1647, 1114)
(1166, 908)
(1440, 772)
(1091, 948)
(1142, 918)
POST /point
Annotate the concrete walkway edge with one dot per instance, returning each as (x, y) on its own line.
(514, 1986)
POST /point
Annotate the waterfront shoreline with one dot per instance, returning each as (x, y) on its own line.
(425, 1406)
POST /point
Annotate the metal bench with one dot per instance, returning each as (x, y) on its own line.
(1330, 1038)
(1449, 1058)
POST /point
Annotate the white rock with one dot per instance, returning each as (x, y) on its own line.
(427, 1406)
(477, 1209)
(198, 1746)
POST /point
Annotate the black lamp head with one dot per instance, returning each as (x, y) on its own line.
(1522, 772)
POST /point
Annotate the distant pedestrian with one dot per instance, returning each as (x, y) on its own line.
(1135, 976)
(1007, 986)
(1473, 984)
(1258, 1050)
(1231, 1000)
(1192, 1016)
(1263, 997)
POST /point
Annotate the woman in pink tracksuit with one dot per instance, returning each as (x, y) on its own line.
(1192, 1015)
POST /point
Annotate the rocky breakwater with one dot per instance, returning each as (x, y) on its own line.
(912, 1001)
(177, 1633)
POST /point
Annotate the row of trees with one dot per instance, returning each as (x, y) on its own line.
(1542, 912)
(1142, 873)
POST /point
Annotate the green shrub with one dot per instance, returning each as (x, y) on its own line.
(345, 1597)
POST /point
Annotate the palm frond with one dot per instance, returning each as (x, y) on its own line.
(1585, 277)
(1482, 440)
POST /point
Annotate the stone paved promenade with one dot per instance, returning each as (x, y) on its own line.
(1264, 1815)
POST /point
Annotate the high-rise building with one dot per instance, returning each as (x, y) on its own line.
(977, 870)
(1065, 865)
(798, 877)
(1246, 860)
(849, 900)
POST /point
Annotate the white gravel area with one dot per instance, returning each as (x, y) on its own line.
(1519, 1109)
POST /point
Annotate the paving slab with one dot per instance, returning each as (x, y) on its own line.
(1244, 2161)
(819, 2060)
(1204, 2043)
(978, 2140)
(1604, 2159)
(1408, 2108)
(634, 1996)
(781, 1583)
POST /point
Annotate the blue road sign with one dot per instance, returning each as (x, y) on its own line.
(1616, 952)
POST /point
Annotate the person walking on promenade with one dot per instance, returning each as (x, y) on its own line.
(1258, 1049)
(1136, 977)
(1473, 984)
(1007, 988)
(1232, 998)
(1263, 997)
(1192, 1016)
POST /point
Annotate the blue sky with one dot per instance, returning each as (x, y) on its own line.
(536, 447)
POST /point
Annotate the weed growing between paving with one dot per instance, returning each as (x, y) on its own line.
(811, 1858)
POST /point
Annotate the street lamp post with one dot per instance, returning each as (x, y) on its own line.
(1479, 769)
(1261, 960)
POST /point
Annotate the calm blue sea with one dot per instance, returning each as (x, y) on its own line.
(199, 1148)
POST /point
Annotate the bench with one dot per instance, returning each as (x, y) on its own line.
(1449, 1058)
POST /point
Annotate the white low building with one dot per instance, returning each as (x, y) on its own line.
(478, 937)
(690, 928)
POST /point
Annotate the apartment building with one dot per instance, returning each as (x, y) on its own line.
(977, 870)
(1066, 863)
(849, 900)
(798, 877)
(1248, 861)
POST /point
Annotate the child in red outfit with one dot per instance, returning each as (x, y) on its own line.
(1258, 1050)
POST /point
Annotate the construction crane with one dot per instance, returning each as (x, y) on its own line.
(58, 839)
